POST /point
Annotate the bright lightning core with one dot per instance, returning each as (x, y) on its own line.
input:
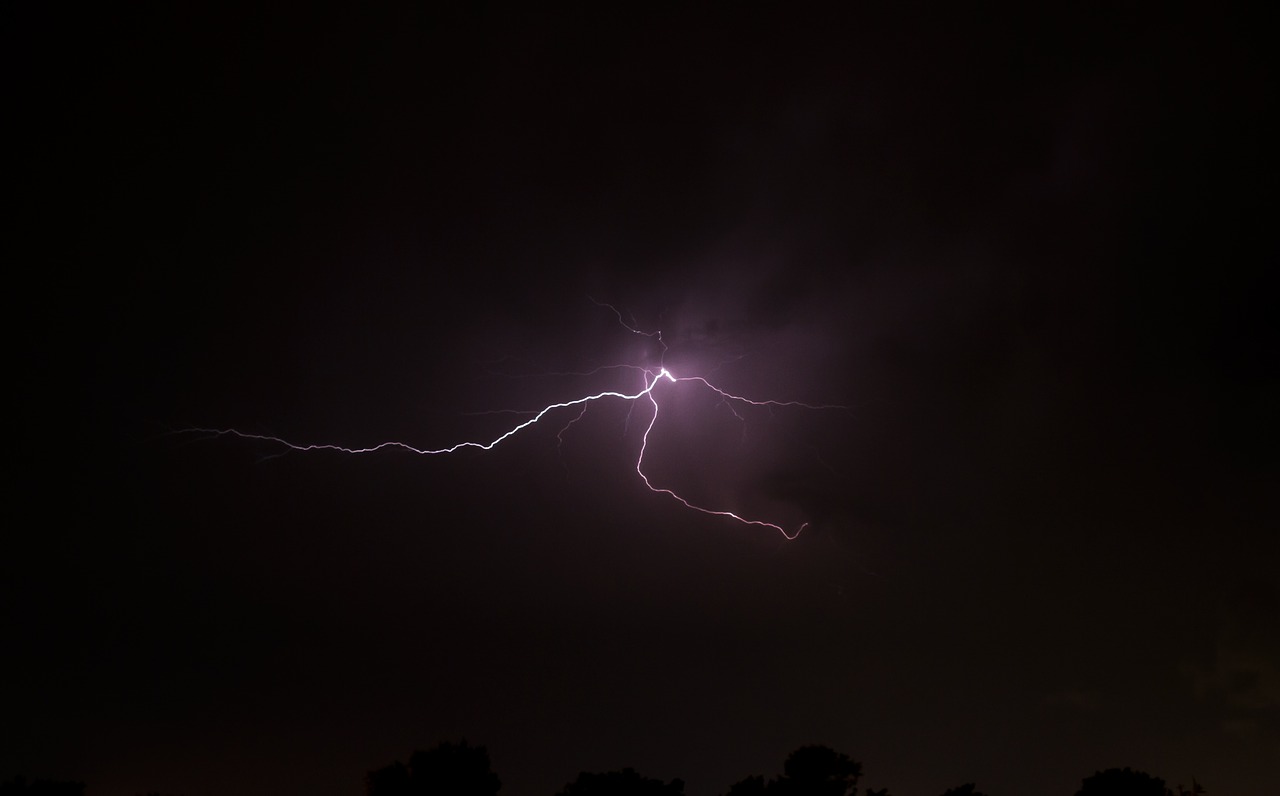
(651, 377)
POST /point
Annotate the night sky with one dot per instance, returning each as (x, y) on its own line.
(1029, 252)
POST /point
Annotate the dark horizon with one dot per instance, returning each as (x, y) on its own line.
(1026, 250)
(460, 768)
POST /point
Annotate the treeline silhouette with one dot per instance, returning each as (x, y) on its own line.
(460, 769)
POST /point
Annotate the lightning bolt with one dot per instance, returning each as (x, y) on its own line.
(652, 377)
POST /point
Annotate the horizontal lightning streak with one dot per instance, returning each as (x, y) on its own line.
(429, 451)
(651, 379)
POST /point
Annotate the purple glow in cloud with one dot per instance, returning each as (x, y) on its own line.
(654, 381)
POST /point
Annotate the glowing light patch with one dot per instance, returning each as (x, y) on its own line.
(651, 379)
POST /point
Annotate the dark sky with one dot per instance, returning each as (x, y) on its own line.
(1026, 250)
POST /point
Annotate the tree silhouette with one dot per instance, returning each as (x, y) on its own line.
(808, 771)
(392, 780)
(627, 782)
(967, 789)
(1196, 789)
(448, 770)
(751, 786)
(819, 771)
(1122, 782)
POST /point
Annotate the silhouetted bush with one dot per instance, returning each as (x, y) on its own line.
(448, 770)
(751, 786)
(1122, 782)
(808, 771)
(626, 782)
